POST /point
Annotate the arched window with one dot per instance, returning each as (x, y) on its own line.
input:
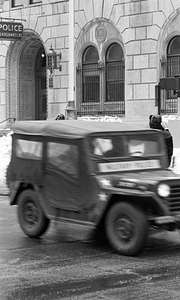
(90, 55)
(114, 53)
(173, 57)
(170, 68)
(174, 46)
(91, 88)
(100, 81)
(114, 73)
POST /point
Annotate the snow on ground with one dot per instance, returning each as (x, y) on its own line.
(5, 154)
(176, 156)
(5, 145)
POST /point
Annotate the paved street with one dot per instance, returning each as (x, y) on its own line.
(70, 262)
(4, 191)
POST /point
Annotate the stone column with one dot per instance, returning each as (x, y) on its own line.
(70, 111)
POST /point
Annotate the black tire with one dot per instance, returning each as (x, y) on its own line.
(126, 228)
(30, 214)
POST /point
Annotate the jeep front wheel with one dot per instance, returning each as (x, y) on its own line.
(126, 228)
(30, 214)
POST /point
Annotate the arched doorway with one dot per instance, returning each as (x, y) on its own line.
(40, 86)
(26, 89)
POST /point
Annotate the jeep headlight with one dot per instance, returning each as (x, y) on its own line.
(163, 190)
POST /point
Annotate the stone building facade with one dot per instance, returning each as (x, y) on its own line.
(121, 50)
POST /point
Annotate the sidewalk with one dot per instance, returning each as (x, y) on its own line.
(4, 191)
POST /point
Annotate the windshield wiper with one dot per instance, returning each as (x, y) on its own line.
(139, 157)
(98, 157)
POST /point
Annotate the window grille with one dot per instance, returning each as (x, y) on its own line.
(100, 86)
(170, 68)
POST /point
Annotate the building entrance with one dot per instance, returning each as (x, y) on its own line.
(27, 80)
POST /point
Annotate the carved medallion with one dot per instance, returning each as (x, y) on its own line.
(101, 33)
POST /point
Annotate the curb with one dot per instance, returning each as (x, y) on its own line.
(4, 192)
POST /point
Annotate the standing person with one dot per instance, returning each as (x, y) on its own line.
(155, 123)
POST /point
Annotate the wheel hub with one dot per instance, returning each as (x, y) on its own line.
(124, 229)
(31, 213)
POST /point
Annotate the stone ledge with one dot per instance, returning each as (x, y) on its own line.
(4, 131)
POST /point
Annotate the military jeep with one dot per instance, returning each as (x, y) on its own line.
(110, 175)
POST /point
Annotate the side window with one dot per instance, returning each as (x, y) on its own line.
(136, 147)
(110, 147)
(63, 157)
(101, 146)
(144, 145)
(29, 149)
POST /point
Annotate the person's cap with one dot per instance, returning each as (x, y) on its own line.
(60, 117)
(156, 119)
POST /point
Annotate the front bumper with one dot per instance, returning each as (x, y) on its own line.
(165, 220)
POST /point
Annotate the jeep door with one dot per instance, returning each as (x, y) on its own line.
(66, 179)
(61, 174)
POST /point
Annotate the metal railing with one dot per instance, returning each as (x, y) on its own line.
(8, 119)
(169, 68)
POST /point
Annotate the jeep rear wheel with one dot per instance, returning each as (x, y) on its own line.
(30, 214)
(126, 228)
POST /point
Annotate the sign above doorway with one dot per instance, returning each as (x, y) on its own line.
(11, 31)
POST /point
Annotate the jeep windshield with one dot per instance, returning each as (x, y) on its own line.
(128, 149)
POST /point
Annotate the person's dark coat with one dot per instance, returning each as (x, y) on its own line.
(155, 123)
